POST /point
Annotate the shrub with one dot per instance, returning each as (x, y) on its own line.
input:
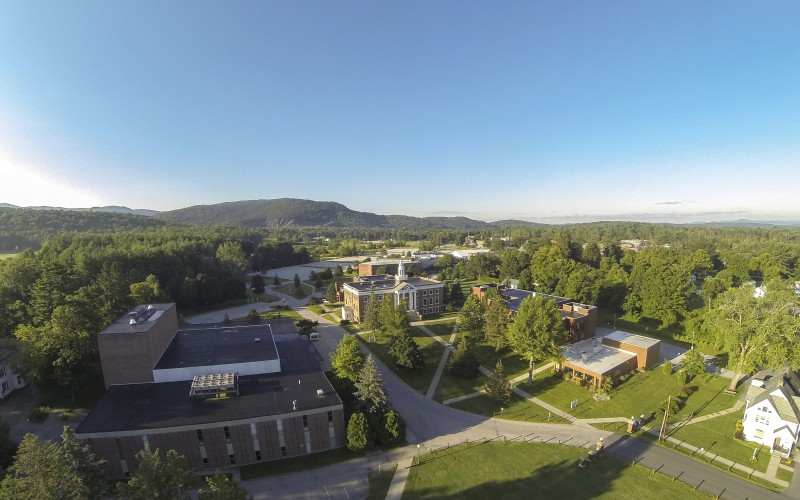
(357, 432)
(463, 362)
(252, 315)
(683, 377)
(38, 414)
(667, 368)
(394, 428)
(567, 376)
(66, 414)
(344, 322)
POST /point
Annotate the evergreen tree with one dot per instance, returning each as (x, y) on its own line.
(405, 352)
(498, 387)
(318, 282)
(156, 479)
(369, 389)
(495, 326)
(296, 281)
(8, 448)
(386, 315)
(372, 314)
(357, 432)
(456, 294)
(257, 284)
(348, 359)
(331, 295)
(275, 280)
(337, 271)
(472, 315)
(43, 469)
(463, 362)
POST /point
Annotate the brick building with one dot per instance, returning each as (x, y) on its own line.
(616, 354)
(580, 320)
(220, 396)
(388, 266)
(424, 296)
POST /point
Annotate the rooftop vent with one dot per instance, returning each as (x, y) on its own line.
(218, 385)
(132, 321)
(320, 393)
(150, 306)
(257, 339)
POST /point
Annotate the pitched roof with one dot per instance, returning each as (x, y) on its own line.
(787, 404)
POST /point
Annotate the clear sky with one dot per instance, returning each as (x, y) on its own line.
(549, 111)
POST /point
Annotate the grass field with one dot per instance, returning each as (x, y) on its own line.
(7, 255)
(518, 409)
(379, 483)
(432, 351)
(530, 470)
(641, 394)
(715, 436)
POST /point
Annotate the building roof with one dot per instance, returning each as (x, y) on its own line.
(592, 356)
(389, 284)
(142, 407)
(782, 396)
(514, 296)
(140, 319)
(632, 339)
(208, 345)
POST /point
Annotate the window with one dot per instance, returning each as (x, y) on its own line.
(205, 460)
(232, 459)
(305, 422)
(258, 455)
(227, 434)
(437, 300)
(424, 292)
(330, 416)
(3, 371)
(200, 435)
(5, 386)
(424, 302)
(283, 451)
(758, 434)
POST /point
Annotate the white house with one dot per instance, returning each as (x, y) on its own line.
(10, 376)
(772, 414)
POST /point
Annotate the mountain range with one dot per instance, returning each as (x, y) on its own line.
(284, 212)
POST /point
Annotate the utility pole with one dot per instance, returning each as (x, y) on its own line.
(663, 433)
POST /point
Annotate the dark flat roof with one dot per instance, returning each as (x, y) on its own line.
(203, 345)
(146, 316)
(142, 407)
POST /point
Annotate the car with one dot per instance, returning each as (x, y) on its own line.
(313, 336)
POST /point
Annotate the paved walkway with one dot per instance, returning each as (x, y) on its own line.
(696, 420)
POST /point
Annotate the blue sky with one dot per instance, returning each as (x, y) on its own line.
(549, 111)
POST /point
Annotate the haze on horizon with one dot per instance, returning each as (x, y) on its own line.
(551, 112)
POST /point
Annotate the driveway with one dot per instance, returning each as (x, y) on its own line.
(14, 411)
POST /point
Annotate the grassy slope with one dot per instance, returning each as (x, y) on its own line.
(527, 470)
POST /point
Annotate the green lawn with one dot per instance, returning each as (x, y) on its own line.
(442, 328)
(432, 351)
(298, 293)
(519, 408)
(512, 364)
(7, 255)
(379, 483)
(451, 386)
(716, 437)
(532, 470)
(641, 394)
(785, 475)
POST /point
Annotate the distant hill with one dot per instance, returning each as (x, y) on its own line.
(516, 223)
(110, 209)
(296, 212)
(22, 228)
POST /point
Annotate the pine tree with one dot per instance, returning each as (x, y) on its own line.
(386, 315)
(372, 314)
(471, 315)
(331, 295)
(405, 352)
(348, 359)
(495, 327)
(462, 362)
(369, 389)
(498, 387)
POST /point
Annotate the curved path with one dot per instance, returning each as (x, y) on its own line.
(432, 425)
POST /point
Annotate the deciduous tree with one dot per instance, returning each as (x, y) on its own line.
(495, 325)
(221, 487)
(756, 333)
(472, 315)
(156, 478)
(536, 331)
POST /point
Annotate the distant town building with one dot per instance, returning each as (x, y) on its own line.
(467, 254)
(222, 396)
(423, 296)
(387, 266)
(634, 245)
